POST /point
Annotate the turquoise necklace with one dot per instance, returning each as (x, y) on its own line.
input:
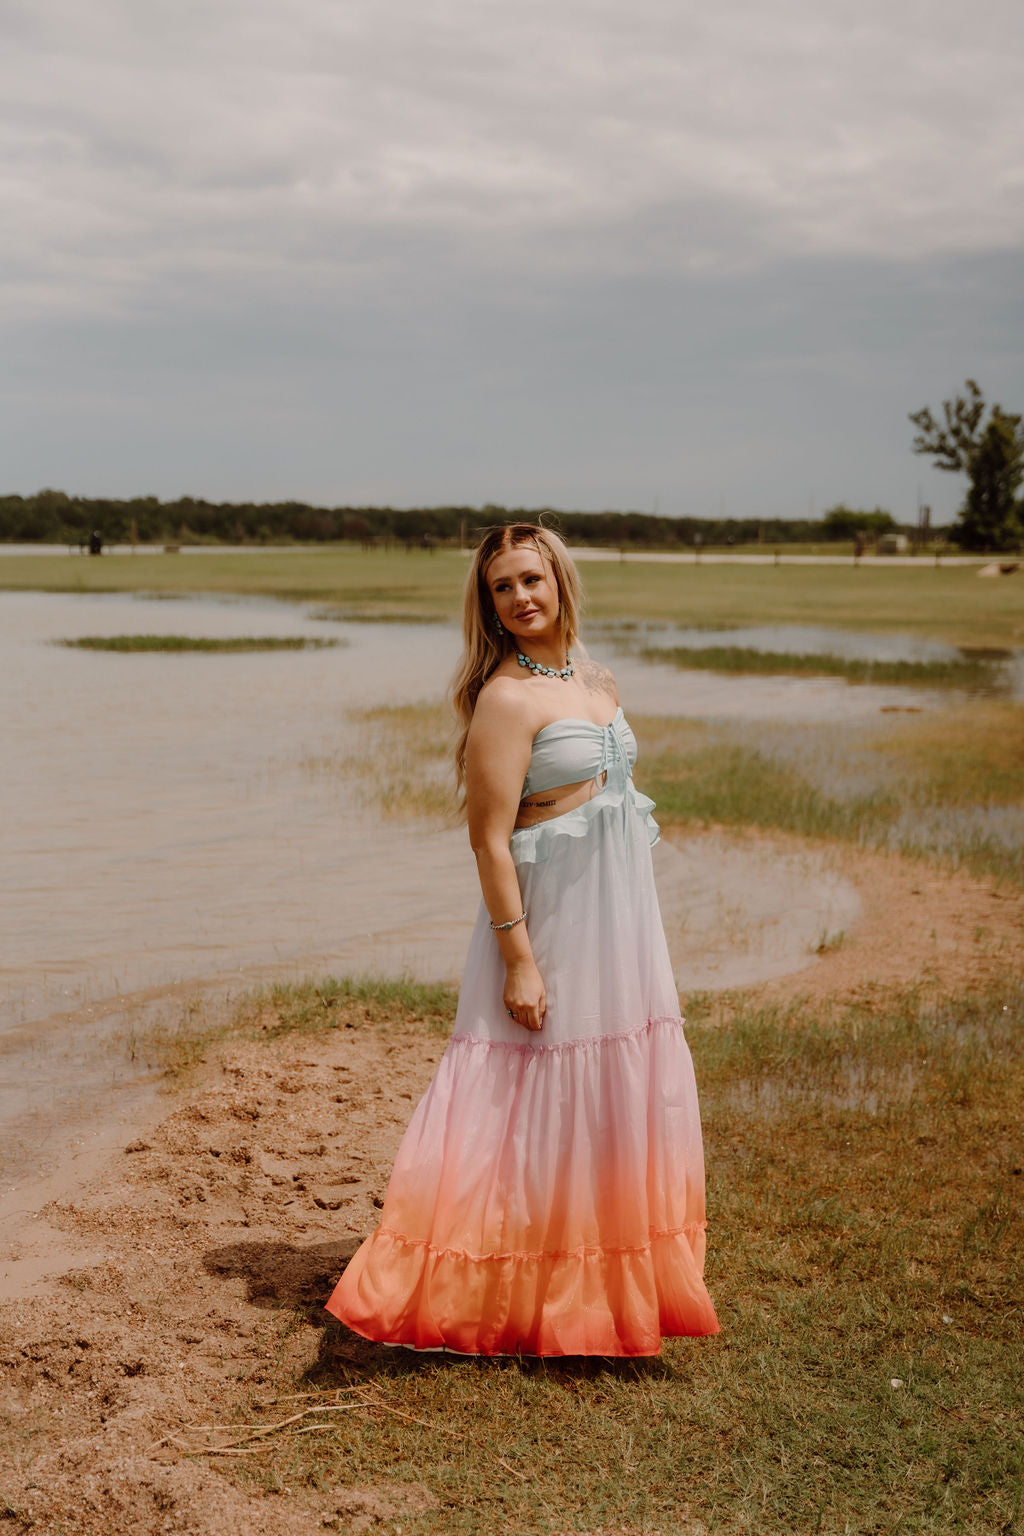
(563, 672)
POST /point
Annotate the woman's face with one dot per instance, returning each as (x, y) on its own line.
(524, 592)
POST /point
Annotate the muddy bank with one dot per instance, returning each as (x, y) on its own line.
(187, 1272)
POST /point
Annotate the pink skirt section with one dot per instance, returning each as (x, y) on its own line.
(548, 1195)
(543, 1202)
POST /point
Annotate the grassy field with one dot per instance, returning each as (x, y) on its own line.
(948, 604)
(866, 1248)
(358, 583)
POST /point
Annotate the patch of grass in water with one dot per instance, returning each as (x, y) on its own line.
(739, 660)
(956, 799)
(969, 755)
(382, 616)
(175, 643)
(711, 779)
(404, 765)
(865, 1246)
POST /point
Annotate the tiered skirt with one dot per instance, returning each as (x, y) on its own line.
(548, 1195)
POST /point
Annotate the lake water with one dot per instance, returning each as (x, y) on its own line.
(164, 834)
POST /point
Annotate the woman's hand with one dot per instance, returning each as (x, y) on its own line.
(524, 995)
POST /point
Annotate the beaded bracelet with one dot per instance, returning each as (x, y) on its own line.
(504, 927)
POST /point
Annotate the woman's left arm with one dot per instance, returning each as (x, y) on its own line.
(497, 757)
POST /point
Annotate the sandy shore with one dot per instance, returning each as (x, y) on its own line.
(187, 1268)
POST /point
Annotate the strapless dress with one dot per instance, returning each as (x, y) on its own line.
(548, 1195)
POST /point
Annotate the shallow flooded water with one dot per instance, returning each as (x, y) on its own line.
(160, 820)
(164, 826)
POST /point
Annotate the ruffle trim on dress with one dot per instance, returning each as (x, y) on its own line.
(535, 845)
(578, 1043)
(544, 1255)
(599, 1303)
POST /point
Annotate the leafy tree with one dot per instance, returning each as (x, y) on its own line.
(990, 453)
(845, 523)
(991, 511)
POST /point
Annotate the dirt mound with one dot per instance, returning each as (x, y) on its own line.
(238, 1212)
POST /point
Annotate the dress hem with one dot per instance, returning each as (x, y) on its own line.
(595, 1303)
(528, 1354)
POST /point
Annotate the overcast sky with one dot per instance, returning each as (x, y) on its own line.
(649, 254)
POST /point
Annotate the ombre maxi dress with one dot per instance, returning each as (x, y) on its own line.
(548, 1195)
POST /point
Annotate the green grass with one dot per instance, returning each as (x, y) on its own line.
(340, 615)
(947, 604)
(350, 1002)
(328, 1002)
(196, 643)
(362, 584)
(946, 787)
(404, 764)
(970, 755)
(738, 660)
(865, 1248)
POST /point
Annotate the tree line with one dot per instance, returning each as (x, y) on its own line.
(990, 452)
(54, 517)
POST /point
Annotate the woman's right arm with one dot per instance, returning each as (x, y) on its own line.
(497, 758)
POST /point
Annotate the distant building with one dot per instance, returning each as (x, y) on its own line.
(893, 544)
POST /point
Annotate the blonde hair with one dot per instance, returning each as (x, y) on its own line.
(484, 645)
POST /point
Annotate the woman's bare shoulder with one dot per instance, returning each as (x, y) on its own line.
(503, 703)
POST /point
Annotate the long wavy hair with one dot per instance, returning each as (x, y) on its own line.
(484, 645)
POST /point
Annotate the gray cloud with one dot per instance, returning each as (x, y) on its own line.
(560, 251)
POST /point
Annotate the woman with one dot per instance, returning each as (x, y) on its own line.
(548, 1196)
